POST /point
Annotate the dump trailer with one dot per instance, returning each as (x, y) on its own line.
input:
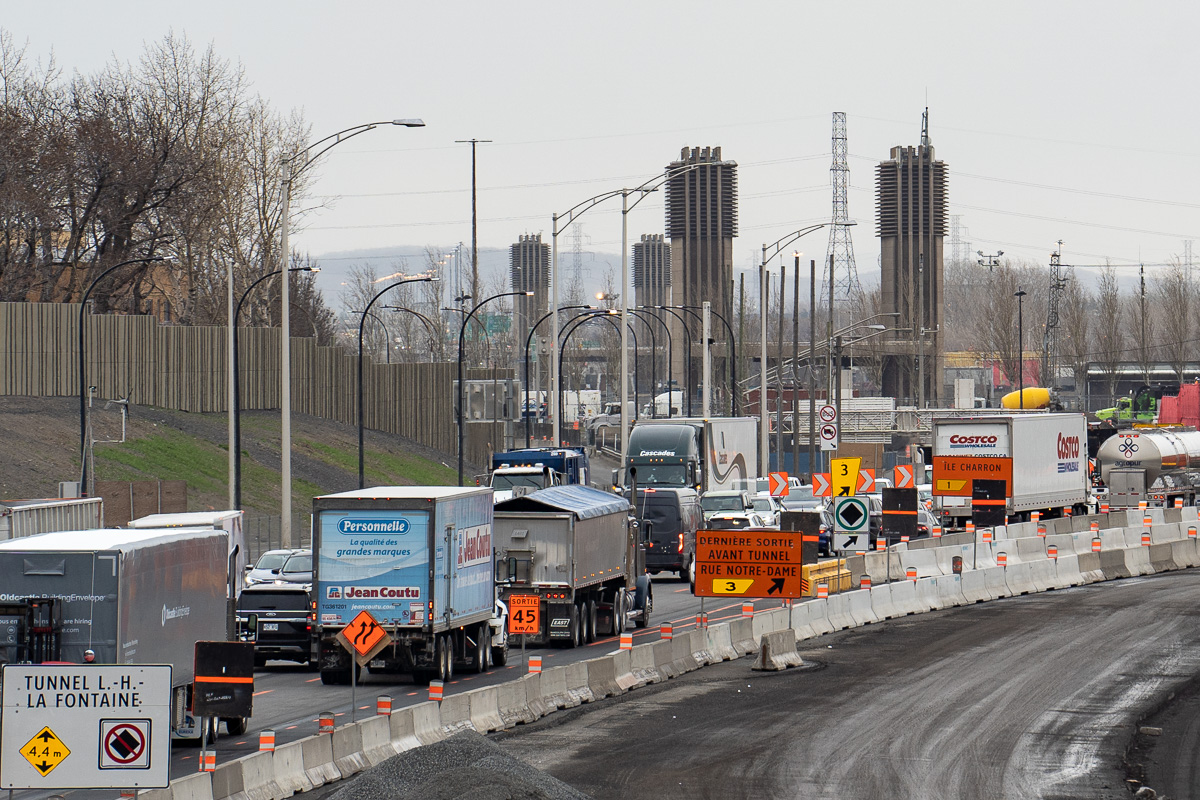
(28, 517)
(1040, 457)
(572, 554)
(419, 559)
(130, 596)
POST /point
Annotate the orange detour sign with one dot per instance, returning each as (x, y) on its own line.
(954, 476)
(777, 482)
(524, 613)
(748, 564)
(821, 485)
(904, 477)
(364, 637)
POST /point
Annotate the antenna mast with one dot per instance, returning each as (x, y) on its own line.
(847, 291)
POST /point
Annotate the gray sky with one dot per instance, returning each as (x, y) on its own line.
(1058, 120)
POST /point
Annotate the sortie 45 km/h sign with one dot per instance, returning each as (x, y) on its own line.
(748, 564)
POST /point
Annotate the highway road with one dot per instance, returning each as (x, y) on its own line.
(1030, 697)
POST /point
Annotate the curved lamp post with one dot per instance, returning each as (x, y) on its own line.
(648, 312)
(429, 324)
(461, 389)
(528, 344)
(83, 443)
(733, 392)
(361, 324)
(578, 322)
(237, 392)
(289, 168)
(776, 247)
(687, 358)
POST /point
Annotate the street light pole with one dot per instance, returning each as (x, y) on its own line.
(734, 402)
(236, 393)
(322, 146)
(83, 443)
(362, 321)
(1020, 295)
(461, 389)
(670, 356)
(764, 440)
(528, 343)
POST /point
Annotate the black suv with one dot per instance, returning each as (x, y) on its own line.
(278, 618)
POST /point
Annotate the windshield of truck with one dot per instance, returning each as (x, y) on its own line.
(502, 481)
(661, 474)
(719, 503)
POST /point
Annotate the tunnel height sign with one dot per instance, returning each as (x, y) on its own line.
(85, 726)
(748, 564)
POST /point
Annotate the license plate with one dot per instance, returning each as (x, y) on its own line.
(270, 626)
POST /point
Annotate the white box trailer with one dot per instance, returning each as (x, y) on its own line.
(230, 521)
(20, 518)
(1041, 457)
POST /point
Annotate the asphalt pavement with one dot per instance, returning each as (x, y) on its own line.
(1036, 696)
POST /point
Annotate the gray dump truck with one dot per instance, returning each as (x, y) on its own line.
(130, 596)
(573, 556)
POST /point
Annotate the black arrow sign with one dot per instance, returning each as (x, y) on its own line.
(46, 736)
(43, 767)
(844, 492)
(851, 542)
(776, 586)
(362, 635)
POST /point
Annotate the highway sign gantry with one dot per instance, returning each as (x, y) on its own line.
(85, 726)
(745, 563)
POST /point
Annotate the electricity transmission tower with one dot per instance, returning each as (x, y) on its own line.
(847, 291)
(1058, 285)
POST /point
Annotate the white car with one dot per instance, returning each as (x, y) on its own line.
(769, 508)
(268, 566)
(735, 522)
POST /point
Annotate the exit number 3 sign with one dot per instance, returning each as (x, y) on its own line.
(748, 564)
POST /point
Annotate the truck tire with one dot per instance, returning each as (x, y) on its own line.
(576, 621)
(445, 658)
(479, 659)
(236, 725)
(643, 620)
(500, 654)
(591, 613)
(618, 612)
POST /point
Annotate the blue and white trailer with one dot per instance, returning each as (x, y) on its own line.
(420, 560)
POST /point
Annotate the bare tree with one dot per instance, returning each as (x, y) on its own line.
(1173, 297)
(997, 330)
(1075, 343)
(1110, 332)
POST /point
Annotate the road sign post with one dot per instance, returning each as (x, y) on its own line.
(363, 638)
(85, 726)
(764, 564)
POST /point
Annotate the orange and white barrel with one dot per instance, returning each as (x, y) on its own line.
(266, 741)
(822, 591)
(1002, 559)
(535, 665)
(437, 689)
(626, 641)
(383, 706)
(325, 722)
(864, 582)
(666, 631)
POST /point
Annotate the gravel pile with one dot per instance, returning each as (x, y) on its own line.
(467, 765)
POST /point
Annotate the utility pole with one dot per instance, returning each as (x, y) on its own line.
(812, 368)
(474, 218)
(779, 368)
(795, 360)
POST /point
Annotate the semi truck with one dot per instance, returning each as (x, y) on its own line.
(530, 469)
(229, 521)
(130, 596)
(699, 453)
(572, 555)
(419, 559)
(1155, 466)
(1041, 457)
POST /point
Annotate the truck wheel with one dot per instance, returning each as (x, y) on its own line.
(479, 660)
(235, 725)
(500, 654)
(445, 658)
(576, 621)
(618, 612)
(590, 610)
(643, 620)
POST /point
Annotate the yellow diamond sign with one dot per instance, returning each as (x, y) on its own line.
(45, 751)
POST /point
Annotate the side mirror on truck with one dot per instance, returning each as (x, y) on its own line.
(647, 529)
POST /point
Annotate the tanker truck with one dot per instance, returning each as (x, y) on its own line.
(1157, 466)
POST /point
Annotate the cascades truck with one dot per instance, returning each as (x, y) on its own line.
(701, 454)
(130, 596)
(572, 553)
(1041, 457)
(420, 560)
